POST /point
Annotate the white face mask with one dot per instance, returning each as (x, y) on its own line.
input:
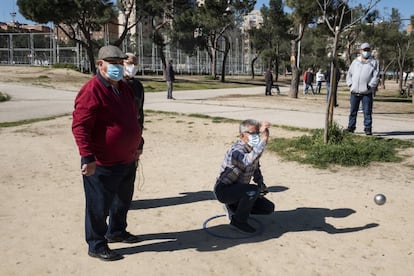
(131, 70)
(254, 140)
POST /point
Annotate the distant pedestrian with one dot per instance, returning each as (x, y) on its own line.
(308, 79)
(363, 79)
(269, 82)
(320, 77)
(170, 78)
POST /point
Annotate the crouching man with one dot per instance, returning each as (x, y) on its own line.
(240, 165)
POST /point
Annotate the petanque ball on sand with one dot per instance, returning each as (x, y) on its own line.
(380, 199)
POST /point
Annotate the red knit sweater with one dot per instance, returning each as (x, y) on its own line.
(105, 125)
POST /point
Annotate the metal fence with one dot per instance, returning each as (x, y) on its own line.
(43, 49)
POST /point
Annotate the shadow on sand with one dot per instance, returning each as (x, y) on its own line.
(273, 226)
(184, 198)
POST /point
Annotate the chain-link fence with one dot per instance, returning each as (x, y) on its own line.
(43, 49)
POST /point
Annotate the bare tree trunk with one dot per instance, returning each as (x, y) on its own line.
(252, 65)
(213, 47)
(294, 84)
(226, 52)
(332, 89)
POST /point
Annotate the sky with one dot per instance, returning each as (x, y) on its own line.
(405, 7)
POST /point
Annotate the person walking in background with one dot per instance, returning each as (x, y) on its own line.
(170, 78)
(108, 133)
(320, 77)
(309, 78)
(304, 81)
(240, 165)
(268, 82)
(328, 84)
(362, 79)
(130, 70)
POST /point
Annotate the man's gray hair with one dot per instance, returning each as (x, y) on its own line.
(244, 126)
(130, 54)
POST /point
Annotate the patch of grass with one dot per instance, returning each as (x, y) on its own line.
(215, 119)
(343, 149)
(25, 122)
(4, 97)
(158, 85)
(65, 65)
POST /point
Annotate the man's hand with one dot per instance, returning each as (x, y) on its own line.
(263, 189)
(89, 168)
(138, 154)
(264, 130)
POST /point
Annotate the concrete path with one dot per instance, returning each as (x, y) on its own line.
(30, 102)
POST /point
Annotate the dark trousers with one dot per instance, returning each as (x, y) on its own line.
(307, 85)
(169, 89)
(268, 89)
(108, 193)
(366, 100)
(245, 199)
(318, 87)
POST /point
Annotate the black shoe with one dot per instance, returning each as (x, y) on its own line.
(242, 226)
(106, 255)
(368, 131)
(350, 130)
(126, 238)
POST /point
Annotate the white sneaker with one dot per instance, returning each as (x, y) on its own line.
(229, 213)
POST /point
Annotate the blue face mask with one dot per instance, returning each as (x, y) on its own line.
(254, 140)
(366, 54)
(115, 72)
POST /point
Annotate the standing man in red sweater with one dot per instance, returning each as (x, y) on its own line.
(108, 134)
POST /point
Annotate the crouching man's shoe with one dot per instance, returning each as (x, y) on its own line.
(106, 255)
(243, 227)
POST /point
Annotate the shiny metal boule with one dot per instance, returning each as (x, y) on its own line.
(380, 199)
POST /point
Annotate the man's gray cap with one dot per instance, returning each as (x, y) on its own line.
(365, 46)
(111, 52)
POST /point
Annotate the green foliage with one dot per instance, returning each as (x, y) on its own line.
(343, 149)
(4, 97)
(76, 18)
(29, 121)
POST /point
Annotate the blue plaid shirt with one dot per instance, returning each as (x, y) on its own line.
(241, 163)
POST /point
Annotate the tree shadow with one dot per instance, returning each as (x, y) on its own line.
(395, 133)
(274, 226)
(184, 198)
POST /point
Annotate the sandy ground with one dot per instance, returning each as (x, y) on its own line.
(325, 223)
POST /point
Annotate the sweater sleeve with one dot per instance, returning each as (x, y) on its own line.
(84, 119)
(375, 75)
